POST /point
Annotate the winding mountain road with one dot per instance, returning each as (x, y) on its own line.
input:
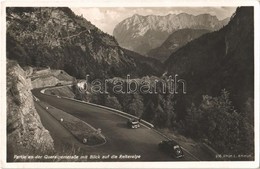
(120, 139)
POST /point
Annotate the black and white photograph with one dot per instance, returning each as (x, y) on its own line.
(123, 84)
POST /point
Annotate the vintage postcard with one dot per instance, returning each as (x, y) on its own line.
(130, 84)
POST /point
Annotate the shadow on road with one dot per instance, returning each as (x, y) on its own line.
(122, 125)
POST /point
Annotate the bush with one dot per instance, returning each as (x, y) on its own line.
(216, 119)
(112, 102)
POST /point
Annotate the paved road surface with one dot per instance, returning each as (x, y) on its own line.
(120, 139)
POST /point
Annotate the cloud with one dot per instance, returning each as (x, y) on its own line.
(107, 18)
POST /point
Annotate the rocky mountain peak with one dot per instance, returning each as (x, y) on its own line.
(142, 33)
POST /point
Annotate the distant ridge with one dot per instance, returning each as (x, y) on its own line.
(175, 41)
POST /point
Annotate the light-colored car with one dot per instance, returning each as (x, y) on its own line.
(133, 123)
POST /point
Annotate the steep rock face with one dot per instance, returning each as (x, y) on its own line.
(218, 60)
(143, 33)
(56, 37)
(25, 132)
(175, 41)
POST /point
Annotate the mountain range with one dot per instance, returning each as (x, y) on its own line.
(58, 38)
(143, 33)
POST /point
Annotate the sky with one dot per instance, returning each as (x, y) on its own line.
(107, 18)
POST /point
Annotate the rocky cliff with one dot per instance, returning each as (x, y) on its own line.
(25, 132)
(143, 33)
(57, 38)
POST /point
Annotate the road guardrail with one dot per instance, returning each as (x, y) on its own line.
(104, 107)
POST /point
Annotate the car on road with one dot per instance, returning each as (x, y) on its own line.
(172, 148)
(133, 123)
(58, 84)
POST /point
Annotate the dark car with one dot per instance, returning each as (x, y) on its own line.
(133, 123)
(172, 148)
(58, 84)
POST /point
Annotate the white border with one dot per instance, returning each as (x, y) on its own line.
(129, 3)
